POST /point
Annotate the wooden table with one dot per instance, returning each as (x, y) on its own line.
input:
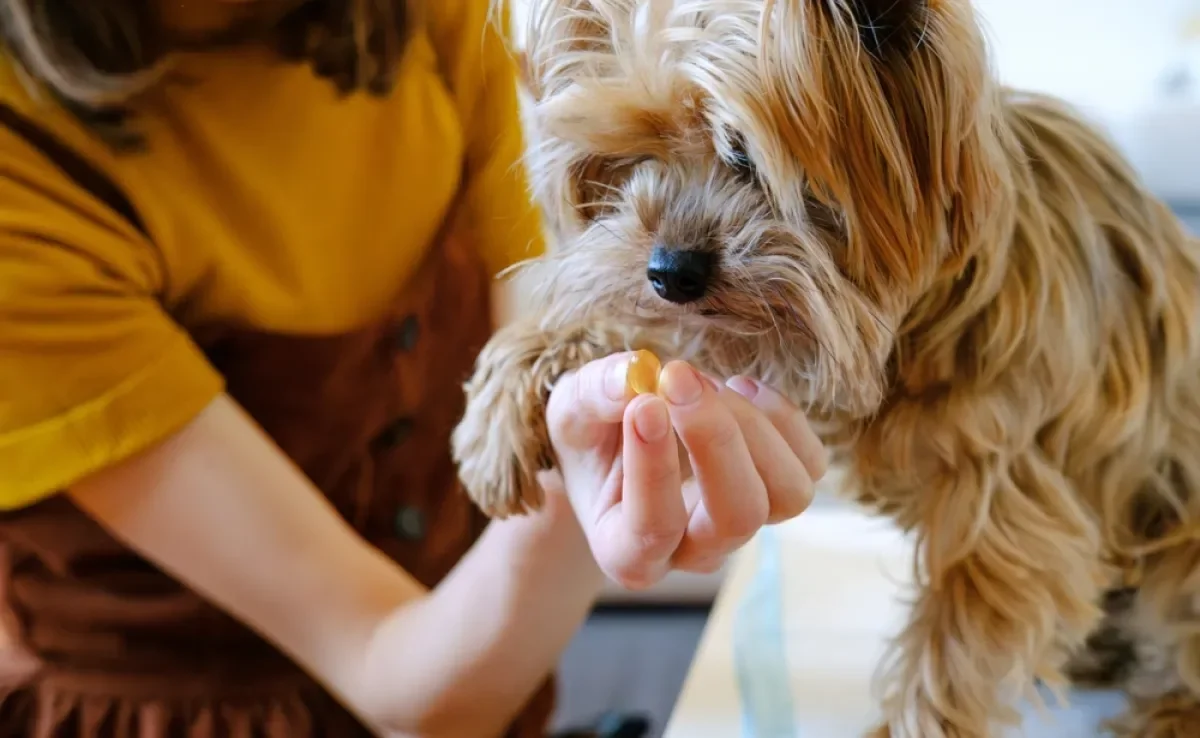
(798, 628)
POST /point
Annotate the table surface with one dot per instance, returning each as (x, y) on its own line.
(798, 628)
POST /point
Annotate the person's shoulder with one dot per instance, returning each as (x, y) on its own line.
(102, 369)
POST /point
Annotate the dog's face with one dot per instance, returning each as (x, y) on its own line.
(781, 180)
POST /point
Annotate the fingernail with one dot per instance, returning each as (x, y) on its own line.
(614, 383)
(651, 420)
(744, 386)
(681, 385)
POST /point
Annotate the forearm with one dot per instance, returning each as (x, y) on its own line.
(221, 509)
(493, 630)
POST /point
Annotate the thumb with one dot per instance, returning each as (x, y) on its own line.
(587, 406)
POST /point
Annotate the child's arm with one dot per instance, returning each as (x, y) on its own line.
(219, 507)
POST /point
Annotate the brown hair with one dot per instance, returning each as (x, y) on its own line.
(95, 56)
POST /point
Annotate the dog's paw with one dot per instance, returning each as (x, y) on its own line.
(501, 443)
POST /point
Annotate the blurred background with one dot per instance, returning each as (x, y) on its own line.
(1134, 68)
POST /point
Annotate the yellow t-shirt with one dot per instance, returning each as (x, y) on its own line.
(268, 201)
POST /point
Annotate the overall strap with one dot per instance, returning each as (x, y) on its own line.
(74, 166)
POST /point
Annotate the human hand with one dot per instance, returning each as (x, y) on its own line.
(681, 480)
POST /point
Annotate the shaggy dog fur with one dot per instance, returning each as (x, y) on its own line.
(994, 323)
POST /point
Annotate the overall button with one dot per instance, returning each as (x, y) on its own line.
(407, 333)
(410, 523)
(396, 433)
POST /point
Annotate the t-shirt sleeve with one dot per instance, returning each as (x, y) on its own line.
(472, 36)
(92, 369)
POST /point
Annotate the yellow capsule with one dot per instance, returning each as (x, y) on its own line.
(642, 375)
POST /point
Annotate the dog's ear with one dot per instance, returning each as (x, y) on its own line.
(568, 38)
(889, 26)
(887, 105)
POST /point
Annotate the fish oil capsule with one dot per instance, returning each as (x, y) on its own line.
(642, 375)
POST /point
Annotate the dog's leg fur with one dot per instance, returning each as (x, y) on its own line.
(502, 441)
(1008, 574)
(1005, 595)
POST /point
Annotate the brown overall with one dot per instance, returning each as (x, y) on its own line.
(103, 645)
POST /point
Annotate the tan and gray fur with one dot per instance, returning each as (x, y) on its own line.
(992, 319)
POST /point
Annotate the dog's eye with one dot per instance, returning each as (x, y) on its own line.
(598, 182)
(739, 159)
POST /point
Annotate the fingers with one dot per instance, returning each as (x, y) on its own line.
(645, 527)
(733, 493)
(652, 498)
(787, 419)
(751, 455)
(755, 461)
(789, 422)
(780, 442)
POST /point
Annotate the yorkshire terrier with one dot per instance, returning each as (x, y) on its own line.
(993, 322)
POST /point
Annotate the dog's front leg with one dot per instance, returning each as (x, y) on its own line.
(1009, 578)
(502, 441)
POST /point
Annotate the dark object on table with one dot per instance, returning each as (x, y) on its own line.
(612, 726)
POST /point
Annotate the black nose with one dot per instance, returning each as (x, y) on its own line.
(679, 276)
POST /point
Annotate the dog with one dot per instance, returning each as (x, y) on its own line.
(993, 322)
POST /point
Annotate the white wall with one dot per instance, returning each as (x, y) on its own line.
(1112, 58)
(1108, 54)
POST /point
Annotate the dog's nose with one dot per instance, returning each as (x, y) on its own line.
(679, 276)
